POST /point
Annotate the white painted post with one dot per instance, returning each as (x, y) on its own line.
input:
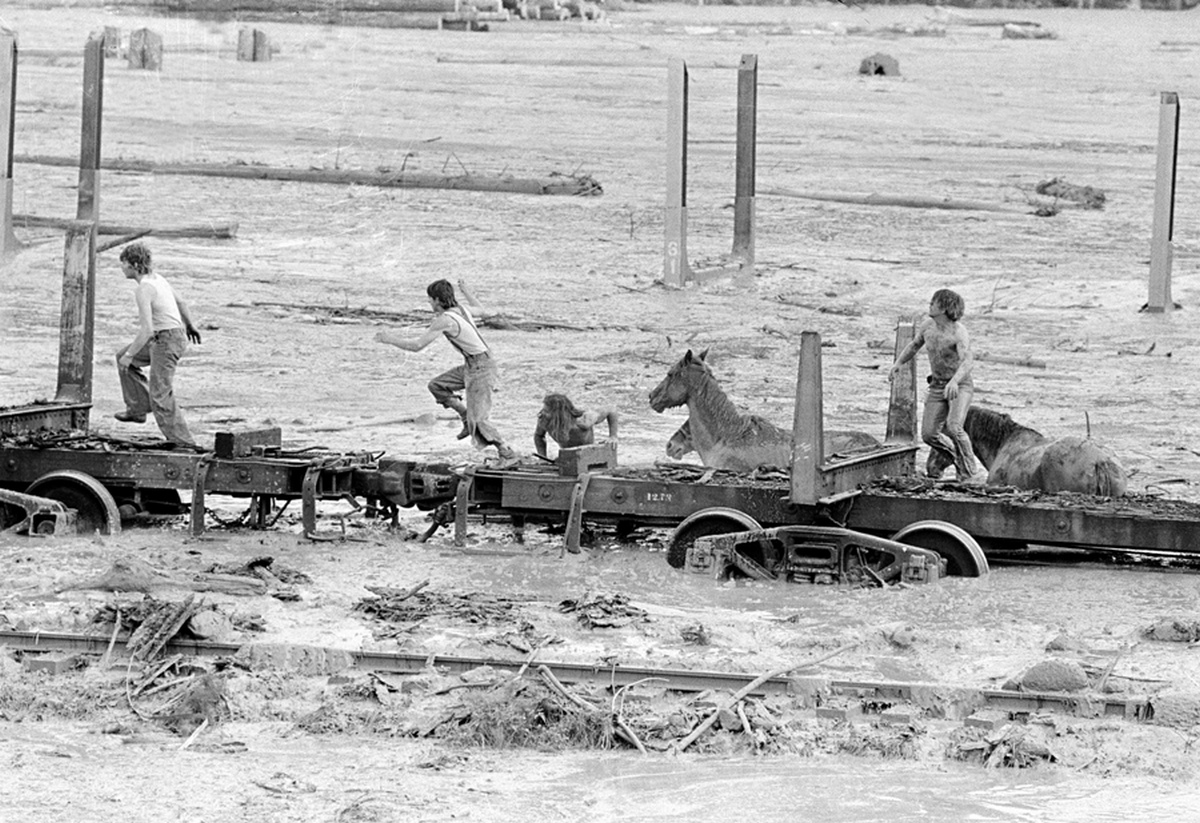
(676, 271)
(8, 100)
(1161, 250)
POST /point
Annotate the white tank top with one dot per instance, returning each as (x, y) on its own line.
(164, 310)
(467, 339)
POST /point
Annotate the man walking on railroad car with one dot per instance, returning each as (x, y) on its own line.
(476, 378)
(164, 329)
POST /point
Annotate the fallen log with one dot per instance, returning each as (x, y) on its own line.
(905, 201)
(561, 184)
(1029, 362)
(217, 231)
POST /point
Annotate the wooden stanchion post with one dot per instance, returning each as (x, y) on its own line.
(76, 325)
(808, 425)
(902, 405)
(1161, 250)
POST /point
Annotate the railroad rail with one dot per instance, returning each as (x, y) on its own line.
(615, 676)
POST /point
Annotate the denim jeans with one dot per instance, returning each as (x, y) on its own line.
(942, 427)
(157, 395)
(476, 379)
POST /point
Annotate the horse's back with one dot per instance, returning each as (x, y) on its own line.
(843, 442)
(1082, 465)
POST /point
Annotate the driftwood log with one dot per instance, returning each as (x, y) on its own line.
(220, 231)
(562, 184)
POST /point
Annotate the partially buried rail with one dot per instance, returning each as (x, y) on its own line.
(682, 680)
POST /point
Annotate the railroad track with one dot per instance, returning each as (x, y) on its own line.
(681, 680)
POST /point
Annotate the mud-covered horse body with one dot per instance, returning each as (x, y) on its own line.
(724, 437)
(1019, 456)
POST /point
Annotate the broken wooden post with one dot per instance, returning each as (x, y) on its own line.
(1161, 249)
(145, 50)
(8, 99)
(675, 260)
(253, 46)
(743, 187)
(76, 322)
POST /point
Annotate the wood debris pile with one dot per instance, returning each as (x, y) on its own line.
(1012, 746)
(411, 607)
(603, 611)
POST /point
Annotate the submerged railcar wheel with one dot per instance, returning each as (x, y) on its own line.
(95, 509)
(705, 523)
(964, 557)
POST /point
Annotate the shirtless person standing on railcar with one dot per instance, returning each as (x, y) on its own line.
(950, 384)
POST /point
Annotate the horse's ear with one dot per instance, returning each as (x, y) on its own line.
(687, 358)
(704, 354)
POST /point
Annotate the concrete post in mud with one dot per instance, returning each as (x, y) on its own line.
(145, 50)
(676, 271)
(1161, 250)
(8, 101)
(747, 140)
(253, 46)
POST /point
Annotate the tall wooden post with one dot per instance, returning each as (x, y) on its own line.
(747, 138)
(77, 326)
(676, 271)
(902, 405)
(1161, 250)
(808, 426)
(8, 109)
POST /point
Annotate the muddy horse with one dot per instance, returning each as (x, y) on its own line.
(1019, 456)
(724, 437)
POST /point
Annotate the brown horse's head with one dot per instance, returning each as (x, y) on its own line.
(676, 386)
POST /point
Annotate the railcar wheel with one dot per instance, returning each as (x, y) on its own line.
(705, 523)
(964, 557)
(95, 509)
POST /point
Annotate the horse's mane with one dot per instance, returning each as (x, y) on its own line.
(730, 422)
(991, 428)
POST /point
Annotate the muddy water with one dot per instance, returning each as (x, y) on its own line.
(850, 791)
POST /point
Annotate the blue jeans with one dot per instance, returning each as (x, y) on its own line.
(942, 427)
(161, 353)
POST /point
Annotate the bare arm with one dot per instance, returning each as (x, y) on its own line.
(186, 316)
(145, 327)
(471, 300)
(414, 344)
(539, 439)
(909, 351)
(966, 363)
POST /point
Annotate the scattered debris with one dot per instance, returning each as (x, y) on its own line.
(603, 611)
(1026, 31)
(1087, 196)
(1011, 746)
(697, 635)
(1173, 630)
(879, 63)
(408, 606)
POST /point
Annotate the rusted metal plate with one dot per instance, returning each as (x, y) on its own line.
(245, 442)
(43, 417)
(1130, 524)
